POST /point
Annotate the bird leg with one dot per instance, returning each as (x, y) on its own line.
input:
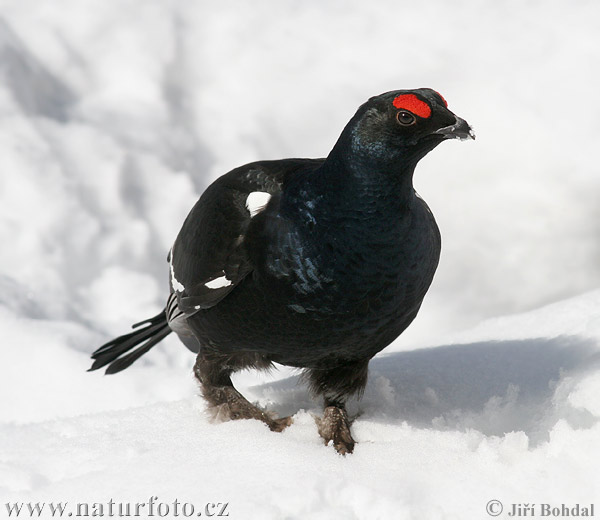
(334, 427)
(336, 385)
(213, 371)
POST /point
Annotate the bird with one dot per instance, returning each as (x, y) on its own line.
(316, 264)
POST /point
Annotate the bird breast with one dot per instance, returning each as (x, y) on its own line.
(355, 264)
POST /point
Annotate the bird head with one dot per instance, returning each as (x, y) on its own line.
(403, 126)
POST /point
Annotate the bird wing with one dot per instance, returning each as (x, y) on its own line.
(210, 255)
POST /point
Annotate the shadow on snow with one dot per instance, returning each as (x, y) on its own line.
(494, 387)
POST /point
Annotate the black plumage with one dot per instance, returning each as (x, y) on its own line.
(311, 263)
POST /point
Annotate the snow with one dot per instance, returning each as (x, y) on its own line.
(116, 116)
(440, 431)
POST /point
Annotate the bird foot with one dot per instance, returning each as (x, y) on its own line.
(334, 427)
(227, 404)
(279, 424)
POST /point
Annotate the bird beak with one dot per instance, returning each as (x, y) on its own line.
(459, 130)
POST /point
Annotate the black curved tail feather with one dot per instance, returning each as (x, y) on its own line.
(116, 353)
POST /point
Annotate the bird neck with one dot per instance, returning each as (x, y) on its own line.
(366, 175)
(352, 188)
(367, 178)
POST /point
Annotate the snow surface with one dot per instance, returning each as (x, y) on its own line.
(440, 431)
(114, 116)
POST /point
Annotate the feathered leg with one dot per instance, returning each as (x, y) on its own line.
(336, 386)
(213, 370)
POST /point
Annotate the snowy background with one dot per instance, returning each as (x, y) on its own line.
(114, 116)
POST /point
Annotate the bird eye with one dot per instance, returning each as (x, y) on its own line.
(406, 118)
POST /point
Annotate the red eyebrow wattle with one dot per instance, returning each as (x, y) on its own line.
(413, 104)
(443, 99)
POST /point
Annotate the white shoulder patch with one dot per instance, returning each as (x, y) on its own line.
(174, 283)
(256, 202)
(217, 283)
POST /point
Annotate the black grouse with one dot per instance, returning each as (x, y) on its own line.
(311, 263)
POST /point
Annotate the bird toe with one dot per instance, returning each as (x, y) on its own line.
(334, 427)
(278, 425)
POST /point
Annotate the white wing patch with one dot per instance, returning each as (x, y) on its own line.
(177, 286)
(256, 202)
(217, 283)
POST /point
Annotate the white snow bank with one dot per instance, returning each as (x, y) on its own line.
(509, 411)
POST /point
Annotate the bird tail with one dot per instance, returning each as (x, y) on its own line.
(116, 353)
